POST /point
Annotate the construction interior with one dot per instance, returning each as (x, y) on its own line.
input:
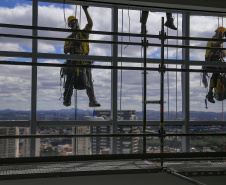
(175, 68)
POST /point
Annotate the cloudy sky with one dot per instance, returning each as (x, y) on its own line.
(15, 81)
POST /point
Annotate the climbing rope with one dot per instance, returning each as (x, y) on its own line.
(167, 56)
(65, 22)
(129, 26)
(121, 71)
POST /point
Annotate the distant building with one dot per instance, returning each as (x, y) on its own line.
(125, 145)
(9, 147)
(25, 142)
(83, 143)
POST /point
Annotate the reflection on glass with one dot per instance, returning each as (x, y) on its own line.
(15, 92)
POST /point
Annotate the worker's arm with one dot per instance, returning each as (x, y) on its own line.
(88, 17)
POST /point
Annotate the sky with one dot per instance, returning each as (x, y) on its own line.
(15, 81)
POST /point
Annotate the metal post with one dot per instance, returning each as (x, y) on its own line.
(145, 90)
(162, 67)
(114, 80)
(33, 124)
(76, 102)
(185, 83)
(74, 129)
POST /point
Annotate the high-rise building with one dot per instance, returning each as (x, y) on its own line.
(25, 143)
(125, 145)
(9, 147)
(16, 147)
(83, 143)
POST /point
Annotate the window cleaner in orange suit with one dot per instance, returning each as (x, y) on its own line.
(78, 48)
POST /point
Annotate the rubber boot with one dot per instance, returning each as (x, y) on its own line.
(209, 96)
(169, 21)
(94, 103)
(67, 96)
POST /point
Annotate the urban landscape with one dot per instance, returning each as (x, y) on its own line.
(102, 145)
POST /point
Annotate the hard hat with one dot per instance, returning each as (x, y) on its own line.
(220, 29)
(70, 18)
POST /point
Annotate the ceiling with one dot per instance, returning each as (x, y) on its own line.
(204, 5)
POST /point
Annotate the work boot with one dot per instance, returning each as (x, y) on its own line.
(169, 23)
(94, 103)
(209, 96)
(67, 103)
(143, 21)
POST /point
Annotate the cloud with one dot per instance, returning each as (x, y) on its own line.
(45, 47)
(11, 47)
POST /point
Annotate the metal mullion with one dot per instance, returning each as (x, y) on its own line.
(185, 83)
(185, 70)
(16, 54)
(105, 33)
(66, 39)
(114, 80)
(108, 123)
(74, 57)
(75, 135)
(33, 127)
(74, 123)
(148, 60)
(21, 123)
(207, 123)
(107, 42)
(149, 123)
(108, 135)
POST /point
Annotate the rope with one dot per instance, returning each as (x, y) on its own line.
(80, 16)
(129, 26)
(61, 94)
(76, 10)
(64, 14)
(168, 72)
(121, 70)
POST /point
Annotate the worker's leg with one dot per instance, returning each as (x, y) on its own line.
(68, 89)
(90, 90)
(213, 84)
(143, 20)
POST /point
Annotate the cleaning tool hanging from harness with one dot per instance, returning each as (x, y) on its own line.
(77, 75)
